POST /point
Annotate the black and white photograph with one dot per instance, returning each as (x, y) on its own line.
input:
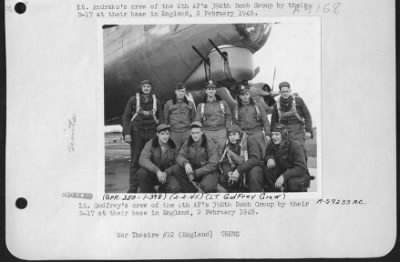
(212, 129)
(212, 107)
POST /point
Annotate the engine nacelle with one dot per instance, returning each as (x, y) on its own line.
(236, 68)
(239, 65)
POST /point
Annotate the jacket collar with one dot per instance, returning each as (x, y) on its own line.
(217, 98)
(174, 100)
(156, 144)
(282, 148)
(240, 104)
(203, 141)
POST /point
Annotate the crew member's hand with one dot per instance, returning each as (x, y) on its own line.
(308, 135)
(128, 139)
(231, 180)
(229, 152)
(271, 163)
(233, 177)
(191, 178)
(162, 177)
(230, 177)
(189, 169)
(268, 139)
(279, 182)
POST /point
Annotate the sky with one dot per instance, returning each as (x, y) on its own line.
(293, 48)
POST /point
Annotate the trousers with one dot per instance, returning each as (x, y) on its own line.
(179, 137)
(261, 179)
(179, 182)
(139, 139)
(236, 187)
(147, 181)
(218, 137)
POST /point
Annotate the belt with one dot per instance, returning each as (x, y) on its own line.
(152, 128)
(180, 130)
(289, 122)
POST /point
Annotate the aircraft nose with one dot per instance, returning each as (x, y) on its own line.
(254, 35)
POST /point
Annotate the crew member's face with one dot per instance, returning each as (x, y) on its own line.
(233, 137)
(245, 97)
(276, 138)
(180, 93)
(146, 89)
(163, 136)
(285, 92)
(210, 91)
(196, 133)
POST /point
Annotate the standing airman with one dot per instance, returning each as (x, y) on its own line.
(248, 115)
(141, 115)
(179, 113)
(291, 111)
(215, 116)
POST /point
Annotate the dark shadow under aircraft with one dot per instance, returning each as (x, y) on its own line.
(189, 53)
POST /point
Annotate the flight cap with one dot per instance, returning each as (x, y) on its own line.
(283, 84)
(234, 128)
(162, 127)
(146, 82)
(278, 128)
(281, 129)
(243, 89)
(196, 124)
(210, 84)
(180, 86)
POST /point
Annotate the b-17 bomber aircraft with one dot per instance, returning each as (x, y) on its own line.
(190, 53)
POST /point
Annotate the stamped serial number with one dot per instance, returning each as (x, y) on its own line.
(342, 202)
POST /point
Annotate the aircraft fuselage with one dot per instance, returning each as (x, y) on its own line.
(164, 55)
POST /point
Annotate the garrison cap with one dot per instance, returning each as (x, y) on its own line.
(210, 84)
(145, 82)
(180, 85)
(196, 124)
(234, 128)
(283, 84)
(162, 127)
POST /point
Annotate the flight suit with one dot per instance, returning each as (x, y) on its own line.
(203, 157)
(230, 164)
(179, 115)
(153, 159)
(290, 162)
(251, 118)
(216, 117)
(253, 167)
(296, 125)
(142, 128)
